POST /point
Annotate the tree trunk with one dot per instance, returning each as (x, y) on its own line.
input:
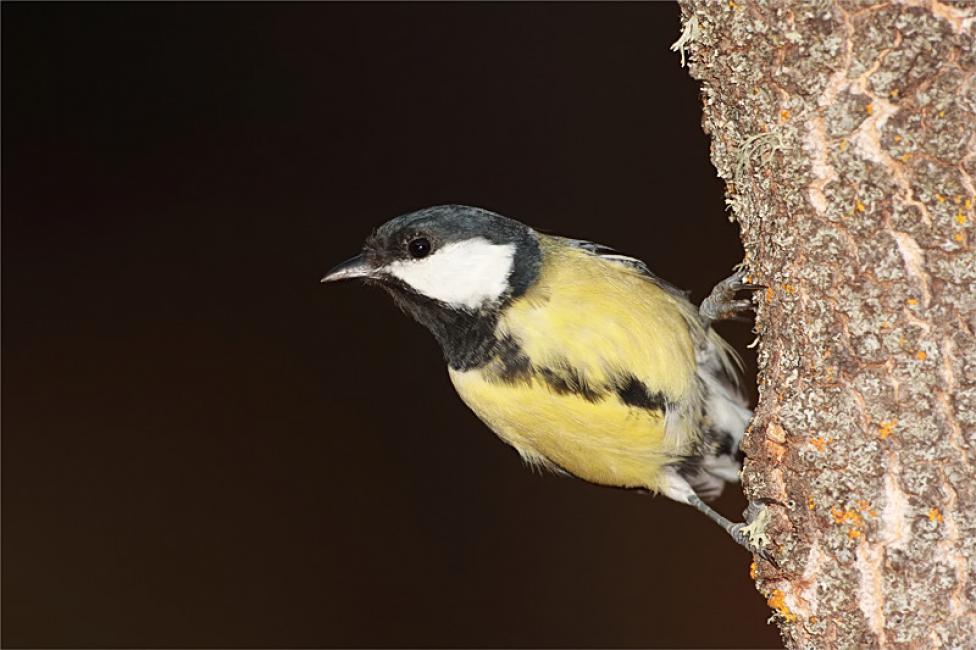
(844, 132)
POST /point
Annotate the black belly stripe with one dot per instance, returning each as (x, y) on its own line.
(511, 365)
(514, 364)
(634, 392)
(566, 380)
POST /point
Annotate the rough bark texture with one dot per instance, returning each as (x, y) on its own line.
(844, 130)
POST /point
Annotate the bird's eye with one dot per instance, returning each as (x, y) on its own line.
(419, 247)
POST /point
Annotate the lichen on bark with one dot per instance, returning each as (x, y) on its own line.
(844, 132)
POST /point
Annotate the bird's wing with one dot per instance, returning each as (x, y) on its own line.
(612, 255)
(595, 320)
(718, 350)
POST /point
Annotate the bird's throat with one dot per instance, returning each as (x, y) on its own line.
(467, 338)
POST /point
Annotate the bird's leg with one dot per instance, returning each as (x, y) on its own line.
(722, 304)
(751, 535)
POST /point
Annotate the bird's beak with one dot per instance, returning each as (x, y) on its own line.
(356, 267)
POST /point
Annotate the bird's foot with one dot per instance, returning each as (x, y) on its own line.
(751, 534)
(721, 303)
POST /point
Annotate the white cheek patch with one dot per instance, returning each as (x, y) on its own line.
(465, 274)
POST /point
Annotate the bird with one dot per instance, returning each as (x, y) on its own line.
(575, 355)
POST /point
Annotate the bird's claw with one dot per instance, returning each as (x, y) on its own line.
(721, 303)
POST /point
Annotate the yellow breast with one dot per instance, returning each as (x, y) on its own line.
(587, 330)
(604, 442)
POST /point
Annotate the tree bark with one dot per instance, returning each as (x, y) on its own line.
(844, 132)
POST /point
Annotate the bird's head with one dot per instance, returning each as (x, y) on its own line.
(448, 258)
(453, 268)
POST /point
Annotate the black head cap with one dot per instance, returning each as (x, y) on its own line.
(445, 224)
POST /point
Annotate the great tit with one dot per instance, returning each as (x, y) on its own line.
(578, 357)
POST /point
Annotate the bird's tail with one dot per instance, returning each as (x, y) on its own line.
(726, 416)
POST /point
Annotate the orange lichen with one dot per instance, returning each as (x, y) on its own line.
(911, 301)
(811, 504)
(959, 237)
(769, 294)
(869, 108)
(850, 516)
(777, 600)
(819, 443)
(935, 516)
(894, 93)
(864, 506)
(842, 145)
(858, 205)
(752, 570)
(897, 138)
(961, 219)
(784, 115)
(921, 356)
(845, 516)
(789, 288)
(905, 157)
(940, 198)
(886, 429)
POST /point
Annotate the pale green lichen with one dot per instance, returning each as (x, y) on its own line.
(688, 35)
(763, 145)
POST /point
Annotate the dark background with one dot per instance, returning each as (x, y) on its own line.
(204, 447)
